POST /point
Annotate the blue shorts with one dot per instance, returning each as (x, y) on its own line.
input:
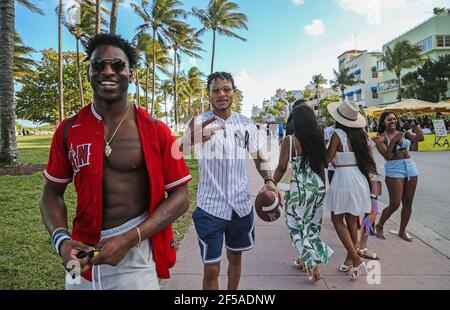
(239, 234)
(401, 169)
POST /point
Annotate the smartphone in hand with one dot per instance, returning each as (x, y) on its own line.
(92, 253)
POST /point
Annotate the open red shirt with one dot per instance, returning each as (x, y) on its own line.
(83, 164)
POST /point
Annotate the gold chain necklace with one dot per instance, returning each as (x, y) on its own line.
(108, 148)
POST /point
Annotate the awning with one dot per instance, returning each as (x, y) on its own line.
(374, 68)
(358, 91)
(358, 71)
(349, 94)
(374, 89)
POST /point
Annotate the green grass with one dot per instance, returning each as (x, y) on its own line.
(27, 259)
(34, 149)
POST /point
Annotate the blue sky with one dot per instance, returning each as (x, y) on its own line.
(287, 42)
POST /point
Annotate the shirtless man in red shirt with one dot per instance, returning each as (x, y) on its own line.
(122, 163)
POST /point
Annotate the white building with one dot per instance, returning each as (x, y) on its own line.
(256, 111)
(362, 65)
(323, 93)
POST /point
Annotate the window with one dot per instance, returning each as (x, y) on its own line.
(381, 65)
(358, 96)
(388, 85)
(426, 45)
(374, 95)
(374, 74)
(443, 41)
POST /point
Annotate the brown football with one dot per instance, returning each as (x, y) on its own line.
(267, 206)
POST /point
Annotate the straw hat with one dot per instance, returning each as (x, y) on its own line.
(347, 113)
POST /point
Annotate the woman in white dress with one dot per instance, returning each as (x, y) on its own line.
(349, 194)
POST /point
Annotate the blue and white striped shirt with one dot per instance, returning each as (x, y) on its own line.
(222, 161)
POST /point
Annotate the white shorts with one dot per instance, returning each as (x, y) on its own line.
(135, 272)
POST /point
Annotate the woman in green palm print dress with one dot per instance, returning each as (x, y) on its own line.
(303, 207)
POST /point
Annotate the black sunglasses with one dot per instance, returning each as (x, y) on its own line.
(115, 63)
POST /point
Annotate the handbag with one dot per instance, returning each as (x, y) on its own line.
(285, 182)
(375, 187)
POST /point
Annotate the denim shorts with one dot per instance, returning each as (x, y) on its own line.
(239, 234)
(401, 169)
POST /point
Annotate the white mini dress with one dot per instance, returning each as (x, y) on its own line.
(349, 190)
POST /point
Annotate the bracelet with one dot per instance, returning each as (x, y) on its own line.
(269, 178)
(140, 239)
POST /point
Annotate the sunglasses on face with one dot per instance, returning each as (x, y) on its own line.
(116, 64)
(216, 90)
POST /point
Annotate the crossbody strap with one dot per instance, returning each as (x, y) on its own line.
(70, 121)
(291, 142)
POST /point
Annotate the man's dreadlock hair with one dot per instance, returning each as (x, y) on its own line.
(114, 40)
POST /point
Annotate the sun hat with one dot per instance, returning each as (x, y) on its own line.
(347, 113)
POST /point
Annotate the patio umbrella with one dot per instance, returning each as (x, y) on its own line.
(371, 110)
(410, 105)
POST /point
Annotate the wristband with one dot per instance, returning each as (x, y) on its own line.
(58, 236)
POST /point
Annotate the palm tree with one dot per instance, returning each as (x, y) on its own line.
(60, 63)
(221, 17)
(403, 55)
(238, 97)
(342, 80)
(161, 17)
(307, 94)
(193, 88)
(440, 11)
(317, 82)
(113, 18)
(184, 40)
(8, 145)
(166, 89)
(98, 16)
(81, 26)
(22, 64)
(161, 60)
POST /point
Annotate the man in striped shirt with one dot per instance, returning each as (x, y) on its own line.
(224, 205)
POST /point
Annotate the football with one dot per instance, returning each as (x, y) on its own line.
(267, 206)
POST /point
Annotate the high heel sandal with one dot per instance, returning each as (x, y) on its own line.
(356, 271)
(300, 265)
(314, 275)
(344, 267)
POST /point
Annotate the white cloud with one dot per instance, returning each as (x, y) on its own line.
(192, 61)
(375, 10)
(298, 2)
(316, 28)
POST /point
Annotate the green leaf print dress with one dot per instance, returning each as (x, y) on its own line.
(303, 210)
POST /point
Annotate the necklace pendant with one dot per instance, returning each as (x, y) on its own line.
(108, 150)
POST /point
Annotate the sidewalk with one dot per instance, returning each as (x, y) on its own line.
(269, 266)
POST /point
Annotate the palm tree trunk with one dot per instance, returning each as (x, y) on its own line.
(138, 96)
(98, 16)
(80, 81)
(147, 73)
(175, 88)
(213, 51)
(113, 19)
(399, 96)
(9, 154)
(153, 73)
(165, 107)
(60, 64)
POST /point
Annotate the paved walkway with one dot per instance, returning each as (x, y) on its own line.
(269, 264)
